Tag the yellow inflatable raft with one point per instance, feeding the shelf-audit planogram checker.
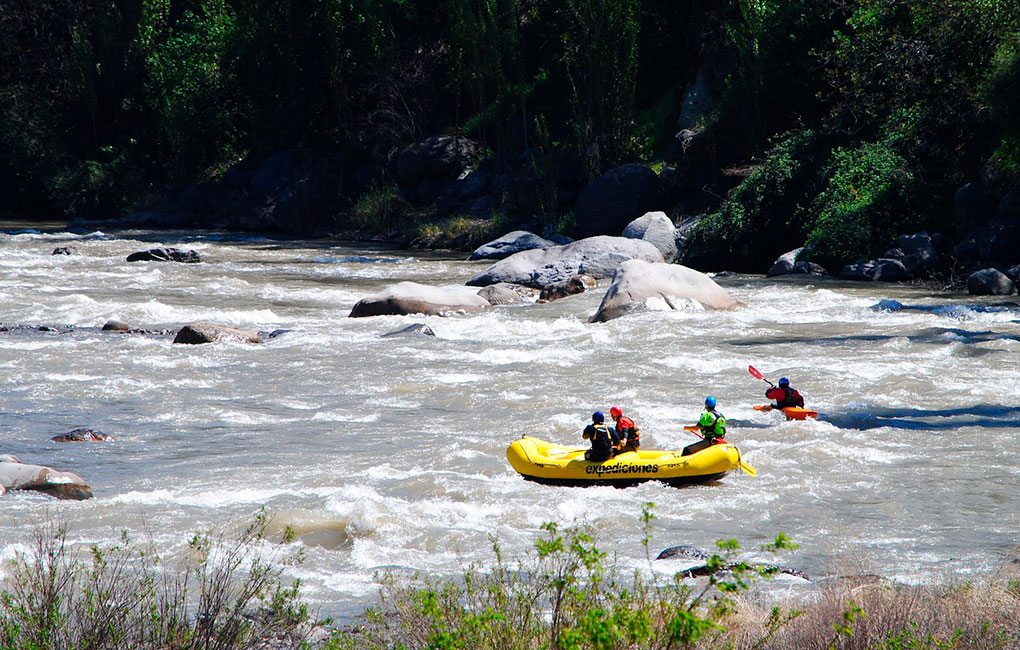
(545, 462)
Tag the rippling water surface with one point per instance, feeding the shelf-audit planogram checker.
(389, 452)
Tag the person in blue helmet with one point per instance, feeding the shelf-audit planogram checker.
(603, 439)
(784, 395)
(711, 424)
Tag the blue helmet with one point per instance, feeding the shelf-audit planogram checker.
(597, 417)
(784, 382)
(710, 402)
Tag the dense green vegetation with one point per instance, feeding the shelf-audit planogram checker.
(856, 119)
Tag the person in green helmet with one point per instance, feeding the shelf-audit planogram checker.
(711, 424)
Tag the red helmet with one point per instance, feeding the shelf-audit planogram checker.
(615, 412)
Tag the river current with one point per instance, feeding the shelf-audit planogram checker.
(389, 453)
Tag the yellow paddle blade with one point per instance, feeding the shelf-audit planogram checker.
(747, 469)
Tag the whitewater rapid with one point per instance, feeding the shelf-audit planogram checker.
(389, 453)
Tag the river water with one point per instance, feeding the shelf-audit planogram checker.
(390, 452)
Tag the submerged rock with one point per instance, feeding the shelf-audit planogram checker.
(638, 282)
(598, 257)
(82, 434)
(417, 329)
(413, 298)
(198, 333)
(66, 250)
(165, 255)
(15, 475)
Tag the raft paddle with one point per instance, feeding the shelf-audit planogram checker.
(744, 467)
(757, 375)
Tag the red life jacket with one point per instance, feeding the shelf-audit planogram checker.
(785, 397)
(628, 430)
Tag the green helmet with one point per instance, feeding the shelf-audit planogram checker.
(706, 420)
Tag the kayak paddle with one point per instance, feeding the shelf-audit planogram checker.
(757, 375)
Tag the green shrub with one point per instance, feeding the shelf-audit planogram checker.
(381, 211)
(762, 218)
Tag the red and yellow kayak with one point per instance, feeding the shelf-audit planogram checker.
(791, 412)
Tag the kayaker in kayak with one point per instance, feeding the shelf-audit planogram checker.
(784, 395)
(603, 439)
(712, 425)
(630, 436)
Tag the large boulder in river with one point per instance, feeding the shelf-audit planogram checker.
(413, 298)
(658, 230)
(569, 287)
(508, 244)
(598, 257)
(165, 255)
(990, 282)
(198, 333)
(637, 283)
(15, 475)
(616, 198)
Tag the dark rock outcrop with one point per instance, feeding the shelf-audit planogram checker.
(82, 434)
(198, 333)
(972, 207)
(439, 159)
(15, 475)
(880, 270)
(676, 286)
(598, 257)
(508, 244)
(413, 298)
(165, 255)
(615, 199)
(569, 287)
(990, 282)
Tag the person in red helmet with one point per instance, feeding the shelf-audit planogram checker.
(630, 435)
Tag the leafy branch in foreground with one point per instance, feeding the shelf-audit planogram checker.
(225, 595)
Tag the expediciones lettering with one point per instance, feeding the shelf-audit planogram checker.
(620, 468)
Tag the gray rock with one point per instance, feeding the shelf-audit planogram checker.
(165, 255)
(917, 254)
(503, 293)
(569, 287)
(510, 243)
(637, 282)
(116, 326)
(417, 329)
(82, 434)
(880, 270)
(784, 264)
(990, 282)
(15, 475)
(658, 230)
(199, 333)
(610, 202)
(414, 298)
(598, 257)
